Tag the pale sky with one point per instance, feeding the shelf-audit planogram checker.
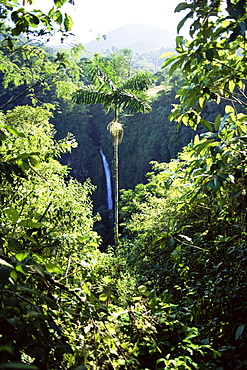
(94, 18)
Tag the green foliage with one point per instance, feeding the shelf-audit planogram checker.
(173, 297)
(63, 303)
(213, 62)
(184, 232)
(112, 90)
(28, 69)
(38, 233)
(34, 21)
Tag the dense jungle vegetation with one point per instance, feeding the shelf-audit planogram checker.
(171, 293)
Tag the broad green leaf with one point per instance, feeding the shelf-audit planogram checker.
(223, 122)
(103, 297)
(231, 85)
(34, 21)
(51, 302)
(202, 101)
(201, 146)
(229, 109)
(21, 268)
(30, 223)
(51, 12)
(215, 184)
(235, 194)
(68, 23)
(217, 122)
(169, 61)
(34, 162)
(14, 245)
(142, 289)
(107, 280)
(173, 166)
(174, 67)
(239, 331)
(38, 268)
(21, 256)
(206, 125)
(25, 289)
(58, 17)
(161, 360)
(13, 131)
(5, 263)
(2, 136)
(167, 54)
(223, 176)
(12, 214)
(7, 349)
(35, 314)
(83, 238)
(13, 276)
(52, 268)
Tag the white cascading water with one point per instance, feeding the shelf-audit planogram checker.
(107, 170)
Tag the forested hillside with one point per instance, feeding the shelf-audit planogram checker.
(143, 133)
(158, 281)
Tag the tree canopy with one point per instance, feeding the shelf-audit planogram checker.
(16, 19)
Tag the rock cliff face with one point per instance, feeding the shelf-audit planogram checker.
(137, 37)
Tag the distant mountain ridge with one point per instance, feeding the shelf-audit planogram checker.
(137, 37)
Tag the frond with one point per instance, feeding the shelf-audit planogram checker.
(90, 95)
(130, 102)
(139, 82)
(100, 77)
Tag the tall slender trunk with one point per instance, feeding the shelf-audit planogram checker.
(116, 130)
(116, 234)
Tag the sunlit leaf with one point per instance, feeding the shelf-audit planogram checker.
(5, 263)
(167, 54)
(142, 289)
(169, 61)
(12, 214)
(14, 131)
(52, 268)
(103, 297)
(21, 256)
(30, 223)
(68, 22)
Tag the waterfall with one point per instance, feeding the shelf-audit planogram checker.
(107, 170)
